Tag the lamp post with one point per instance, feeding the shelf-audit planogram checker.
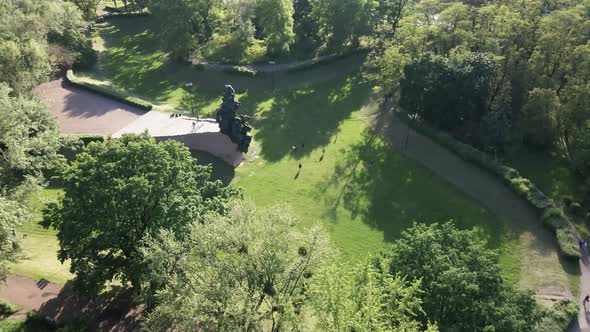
(189, 86)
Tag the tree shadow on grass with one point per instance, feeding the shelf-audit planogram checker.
(389, 192)
(308, 117)
(112, 310)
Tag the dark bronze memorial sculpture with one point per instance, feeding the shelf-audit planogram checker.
(232, 124)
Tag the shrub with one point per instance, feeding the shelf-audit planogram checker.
(77, 325)
(323, 60)
(576, 209)
(242, 71)
(567, 241)
(554, 218)
(199, 67)
(7, 309)
(109, 92)
(558, 317)
(567, 201)
(86, 57)
(37, 322)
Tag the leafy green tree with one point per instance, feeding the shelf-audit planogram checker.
(29, 139)
(364, 298)
(276, 19)
(342, 22)
(304, 25)
(240, 272)
(12, 214)
(119, 192)
(539, 117)
(449, 94)
(186, 24)
(87, 7)
(24, 64)
(30, 31)
(461, 280)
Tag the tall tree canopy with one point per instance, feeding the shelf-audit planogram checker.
(365, 297)
(29, 139)
(451, 94)
(121, 191)
(276, 19)
(241, 272)
(461, 281)
(27, 30)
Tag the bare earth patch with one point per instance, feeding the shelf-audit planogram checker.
(83, 112)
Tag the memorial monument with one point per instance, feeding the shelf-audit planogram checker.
(230, 123)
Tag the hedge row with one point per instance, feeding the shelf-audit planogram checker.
(7, 309)
(551, 215)
(557, 317)
(324, 60)
(242, 71)
(108, 92)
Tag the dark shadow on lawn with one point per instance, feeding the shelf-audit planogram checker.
(113, 310)
(306, 116)
(220, 169)
(390, 193)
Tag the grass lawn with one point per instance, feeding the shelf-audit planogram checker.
(363, 191)
(40, 246)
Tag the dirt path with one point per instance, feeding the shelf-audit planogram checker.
(109, 312)
(78, 111)
(541, 268)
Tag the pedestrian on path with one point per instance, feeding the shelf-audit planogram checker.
(586, 299)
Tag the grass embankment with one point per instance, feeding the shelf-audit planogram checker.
(363, 191)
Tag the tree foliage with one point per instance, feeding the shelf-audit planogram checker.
(365, 297)
(451, 94)
(276, 20)
(461, 281)
(121, 191)
(29, 139)
(28, 29)
(240, 272)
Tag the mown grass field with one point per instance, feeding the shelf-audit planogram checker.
(360, 189)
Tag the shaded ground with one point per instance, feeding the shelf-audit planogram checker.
(111, 311)
(542, 268)
(82, 112)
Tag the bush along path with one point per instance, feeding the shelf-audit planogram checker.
(472, 178)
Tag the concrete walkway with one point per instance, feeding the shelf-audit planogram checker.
(196, 134)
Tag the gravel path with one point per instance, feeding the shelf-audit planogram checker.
(83, 112)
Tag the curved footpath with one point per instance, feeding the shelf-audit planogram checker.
(499, 199)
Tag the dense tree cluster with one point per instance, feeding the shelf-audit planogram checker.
(530, 84)
(36, 36)
(119, 192)
(258, 30)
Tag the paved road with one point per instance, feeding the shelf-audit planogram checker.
(78, 111)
